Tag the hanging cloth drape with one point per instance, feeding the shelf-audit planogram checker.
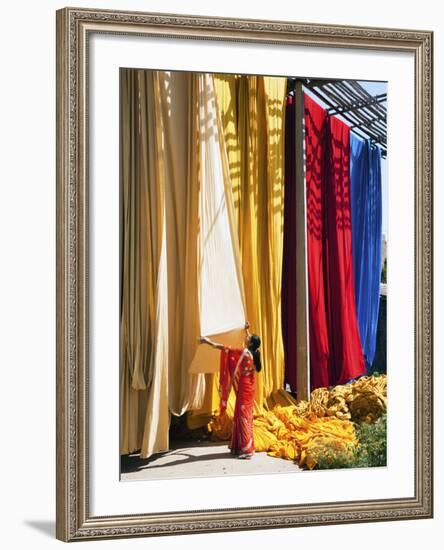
(366, 210)
(143, 352)
(316, 147)
(288, 301)
(221, 291)
(346, 358)
(253, 117)
(160, 278)
(181, 219)
(335, 347)
(180, 130)
(226, 130)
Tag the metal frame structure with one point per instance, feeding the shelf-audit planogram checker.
(364, 113)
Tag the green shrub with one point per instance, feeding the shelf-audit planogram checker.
(370, 452)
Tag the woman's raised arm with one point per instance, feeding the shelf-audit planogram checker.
(206, 340)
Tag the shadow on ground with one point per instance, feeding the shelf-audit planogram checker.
(47, 527)
(202, 458)
(133, 462)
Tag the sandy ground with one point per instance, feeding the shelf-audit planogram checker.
(200, 459)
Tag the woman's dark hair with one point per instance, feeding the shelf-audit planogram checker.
(253, 346)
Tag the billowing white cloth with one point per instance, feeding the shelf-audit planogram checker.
(221, 293)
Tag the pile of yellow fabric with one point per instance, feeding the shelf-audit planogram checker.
(363, 400)
(323, 426)
(283, 433)
(299, 438)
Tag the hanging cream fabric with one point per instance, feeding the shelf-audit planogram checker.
(221, 290)
(179, 114)
(221, 293)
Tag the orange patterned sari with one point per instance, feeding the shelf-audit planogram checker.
(237, 370)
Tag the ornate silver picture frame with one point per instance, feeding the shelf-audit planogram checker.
(74, 520)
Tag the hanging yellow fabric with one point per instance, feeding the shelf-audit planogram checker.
(253, 114)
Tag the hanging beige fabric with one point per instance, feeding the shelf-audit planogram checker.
(160, 313)
(221, 293)
(157, 414)
(179, 100)
(142, 356)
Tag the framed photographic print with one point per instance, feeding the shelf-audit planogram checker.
(244, 274)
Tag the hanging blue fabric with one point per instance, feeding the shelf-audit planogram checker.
(366, 212)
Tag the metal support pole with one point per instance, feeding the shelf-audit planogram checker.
(302, 327)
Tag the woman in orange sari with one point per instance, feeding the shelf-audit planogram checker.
(237, 368)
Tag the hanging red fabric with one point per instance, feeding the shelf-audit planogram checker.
(316, 147)
(335, 346)
(346, 357)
